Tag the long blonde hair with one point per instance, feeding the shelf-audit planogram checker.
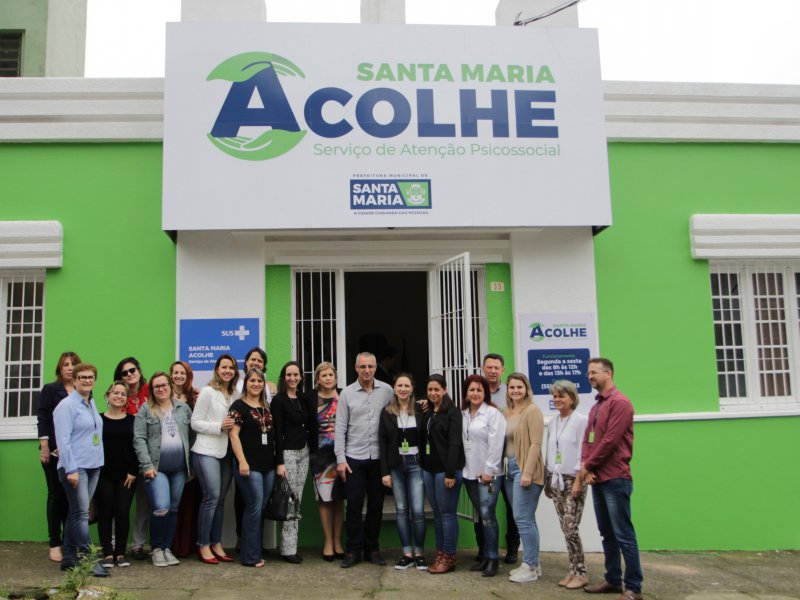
(528, 399)
(393, 408)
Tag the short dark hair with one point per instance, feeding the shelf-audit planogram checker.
(494, 356)
(135, 363)
(260, 352)
(607, 364)
(487, 391)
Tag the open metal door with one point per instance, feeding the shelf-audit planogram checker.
(451, 337)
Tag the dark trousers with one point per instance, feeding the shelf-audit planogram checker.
(364, 481)
(512, 533)
(56, 503)
(112, 501)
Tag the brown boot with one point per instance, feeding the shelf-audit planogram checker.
(445, 565)
(436, 560)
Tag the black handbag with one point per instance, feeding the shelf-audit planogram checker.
(283, 504)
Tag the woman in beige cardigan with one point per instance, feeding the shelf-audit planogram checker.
(525, 471)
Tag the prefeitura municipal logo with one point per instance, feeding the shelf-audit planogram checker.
(256, 101)
(392, 194)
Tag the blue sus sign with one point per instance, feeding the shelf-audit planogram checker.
(202, 341)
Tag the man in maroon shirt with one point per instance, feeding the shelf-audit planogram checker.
(607, 452)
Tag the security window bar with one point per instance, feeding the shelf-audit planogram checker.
(315, 320)
(757, 334)
(10, 54)
(21, 322)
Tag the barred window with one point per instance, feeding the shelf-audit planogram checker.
(21, 324)
(757, 334)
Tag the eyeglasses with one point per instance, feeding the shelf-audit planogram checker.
(130, 371)
(85, 378)
(160, 386)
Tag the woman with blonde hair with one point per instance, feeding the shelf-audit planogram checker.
(563, 462)
(401, 470)
(211, 458)
(525, 470)
(328, 486)
(161, 441)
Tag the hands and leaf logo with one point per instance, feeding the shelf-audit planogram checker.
(256, 100)
(537, 335)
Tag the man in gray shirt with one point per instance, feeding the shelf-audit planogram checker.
(357, 457)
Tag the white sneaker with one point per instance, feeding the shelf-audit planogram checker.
(158, 557)
(524, 567)
(170, 558)
(524, 574)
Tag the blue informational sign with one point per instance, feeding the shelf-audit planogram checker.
(547, 366)
(202, 341)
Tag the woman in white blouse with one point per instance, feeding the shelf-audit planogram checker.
(484, 430)
(211, 459)
(563, 461)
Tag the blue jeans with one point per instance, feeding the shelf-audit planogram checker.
(256, 490)
(484, 500)
(525, 500)
(444, 503)
(409, 492)
(76, 530)
(214, 476)
(612, 508)
(164, 493)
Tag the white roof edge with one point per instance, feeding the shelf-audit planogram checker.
(37, 109)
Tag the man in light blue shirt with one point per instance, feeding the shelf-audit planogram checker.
(357, 457)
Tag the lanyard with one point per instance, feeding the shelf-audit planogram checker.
(558, 435)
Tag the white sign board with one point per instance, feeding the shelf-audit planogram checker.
(297, 126)
(557, 346)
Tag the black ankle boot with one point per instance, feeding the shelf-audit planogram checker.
(480, 565)
(491, 568)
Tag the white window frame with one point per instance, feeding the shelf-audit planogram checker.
(26, 247)
(753, 399)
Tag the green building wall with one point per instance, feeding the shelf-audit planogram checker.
(699, 484)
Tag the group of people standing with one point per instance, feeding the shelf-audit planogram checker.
(154, 436)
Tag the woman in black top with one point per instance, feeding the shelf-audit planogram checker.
(401, 471)
(51, 395)
(253, 443)
(295, 423)
(114, 493)
(442, 462)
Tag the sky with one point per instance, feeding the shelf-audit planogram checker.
(720, 41)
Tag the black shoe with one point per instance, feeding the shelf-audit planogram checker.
(479, 566)
(350, 559)
(328, 557)
(99, 570)
(294, 559)
(404, 563)
(479, 557)
(511, 557)
(491, 568)
(375, 558)
(338, 555)
(140, 554)
(67, 565)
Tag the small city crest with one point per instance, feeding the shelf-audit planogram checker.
(390, 194)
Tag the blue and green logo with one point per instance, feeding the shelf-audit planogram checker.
(391, 194)
(256, 100)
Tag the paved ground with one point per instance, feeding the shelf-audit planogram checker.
(690, 576)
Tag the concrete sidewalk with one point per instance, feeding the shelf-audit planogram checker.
(691, 576)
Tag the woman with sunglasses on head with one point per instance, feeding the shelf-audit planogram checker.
(253, 441)
(51, 395)
(130, 371)
(565, 433)
(401, 471)
(484, 430)
(161, 440)
(295, 423)
(211, 457)
(328, 486)
(525, 471)
(79, 430)
(442, 462)
(114, 494)
(185, 542)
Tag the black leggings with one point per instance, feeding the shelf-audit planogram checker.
(56, 503)
(112, 502)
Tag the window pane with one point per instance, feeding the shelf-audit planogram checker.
(772, 350)
(728, 335)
